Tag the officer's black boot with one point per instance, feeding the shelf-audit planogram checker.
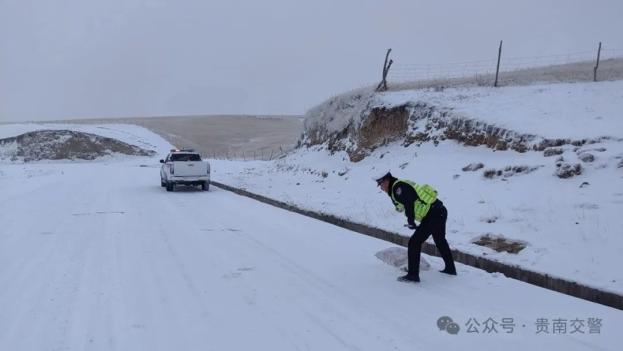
(409, 278)
(451, 271)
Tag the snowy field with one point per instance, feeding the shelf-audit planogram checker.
(572, 227)
(97, 256)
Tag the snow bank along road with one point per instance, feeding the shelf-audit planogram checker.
(97, 256)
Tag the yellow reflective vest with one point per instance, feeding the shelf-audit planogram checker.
(426, 196)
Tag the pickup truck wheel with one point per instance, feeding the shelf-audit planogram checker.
(170, 186)
(205, 186)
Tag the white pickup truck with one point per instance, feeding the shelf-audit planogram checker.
(184, 167)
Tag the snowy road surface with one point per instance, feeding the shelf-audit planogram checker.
(96, 256)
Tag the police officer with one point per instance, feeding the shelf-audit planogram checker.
(419, 203)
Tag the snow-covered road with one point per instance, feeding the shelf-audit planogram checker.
(96, 256)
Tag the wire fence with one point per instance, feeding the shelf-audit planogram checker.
(249, 155)
(412, 72)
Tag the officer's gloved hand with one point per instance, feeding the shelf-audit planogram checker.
(400, 209)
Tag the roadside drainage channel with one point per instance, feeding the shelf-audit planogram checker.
(546, 281)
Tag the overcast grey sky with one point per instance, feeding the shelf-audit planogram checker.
(108, 58)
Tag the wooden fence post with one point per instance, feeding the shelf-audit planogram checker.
(497, 70)
(597, 63)
(386, 65)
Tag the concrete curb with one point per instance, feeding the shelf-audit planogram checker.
(546, 281)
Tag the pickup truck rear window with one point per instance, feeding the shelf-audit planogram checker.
(185, 157)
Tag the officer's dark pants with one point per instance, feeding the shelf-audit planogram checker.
(433, 224)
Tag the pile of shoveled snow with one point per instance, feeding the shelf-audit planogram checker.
(64, 145)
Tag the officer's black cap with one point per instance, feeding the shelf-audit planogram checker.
(387, 175)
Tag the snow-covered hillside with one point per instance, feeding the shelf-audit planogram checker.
(568, 110)
(129, 134)
(523, 186)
